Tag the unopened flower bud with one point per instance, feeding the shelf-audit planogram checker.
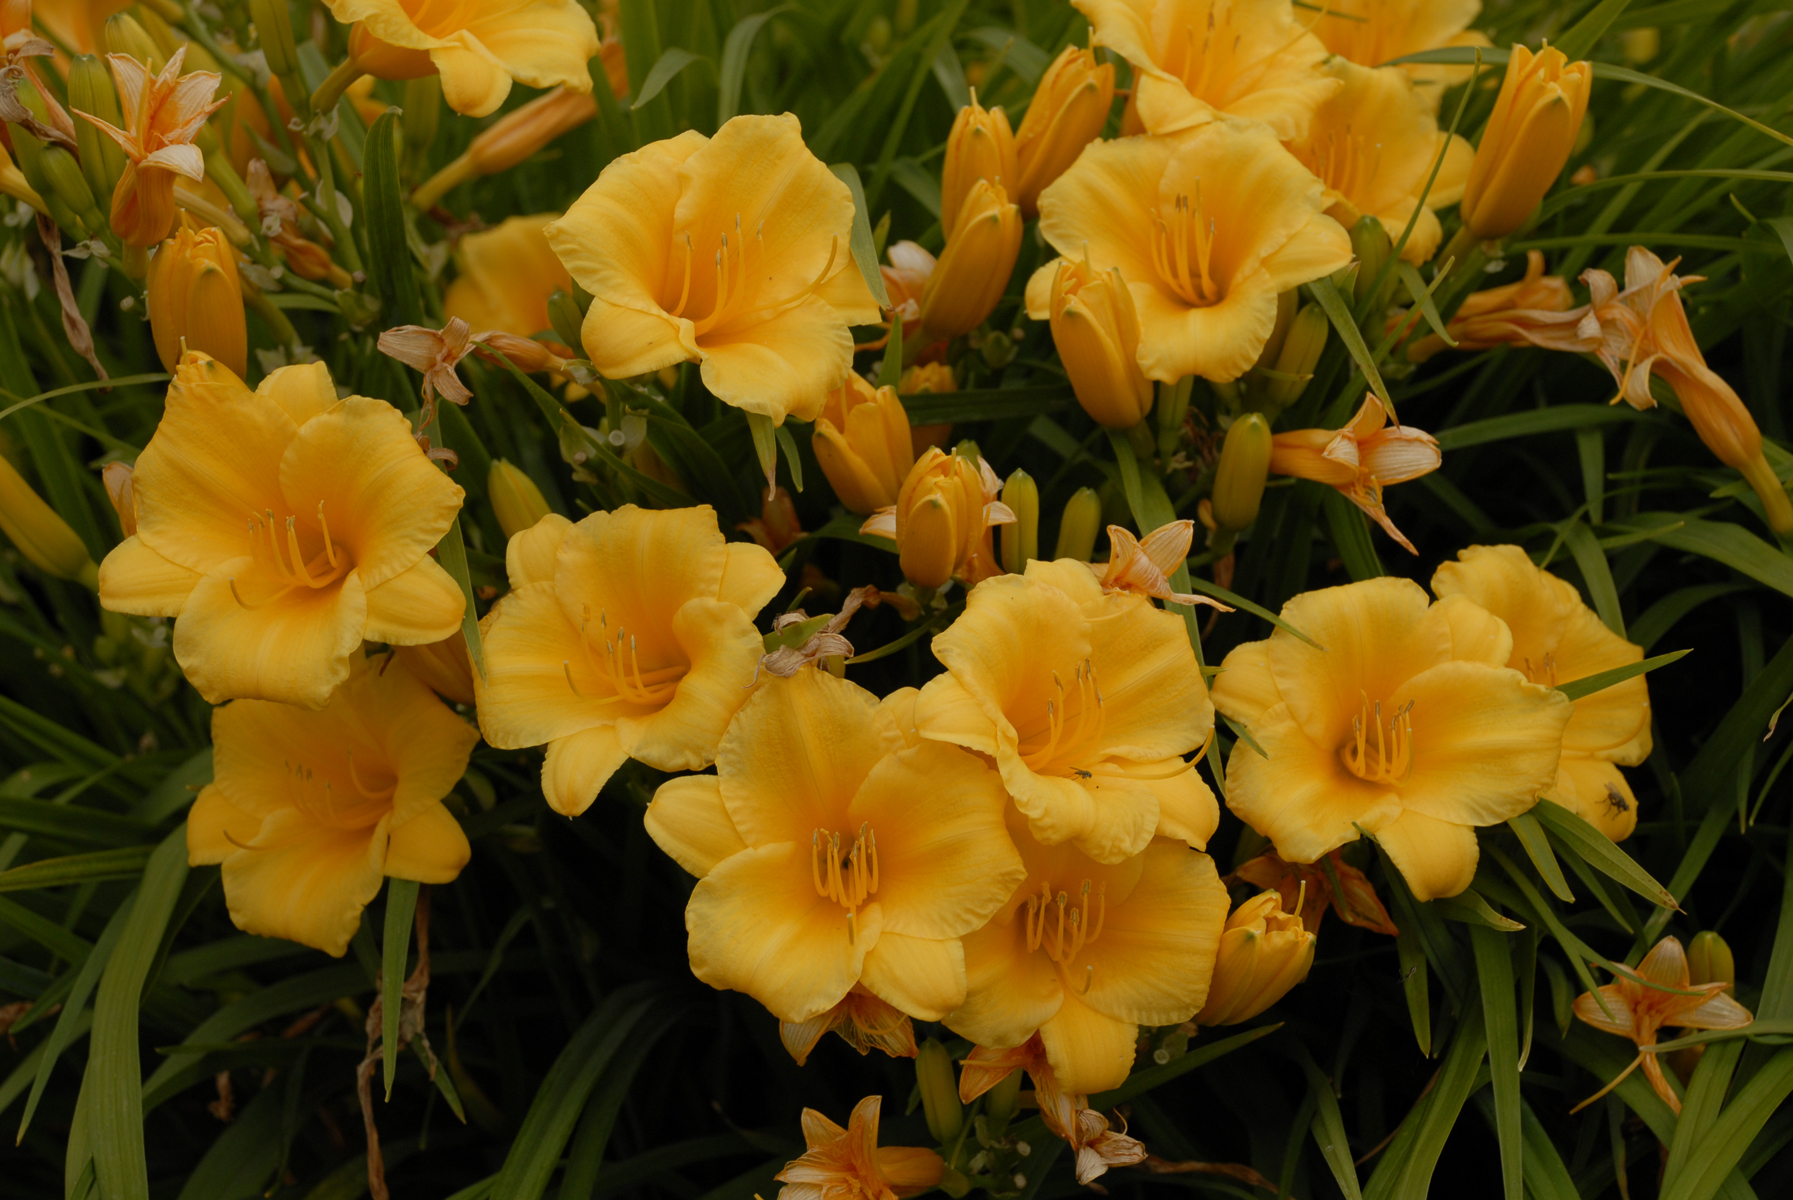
(1096, 329)
(125, 36)
(1529, 137)
(980, 146)
(1069, 107)
(941, 520)
(63, 173)
(862, 443)
(1709, 960)
(1079, 525)
(90, 91)
(1240, 475)
(526, 354)
(42, 537)
(1003, 1101)
(509, 140)
(196, 299)
(973, 270)
(566, 317)
(423, 112)
(1371, 244)
(516, 501)
(1263, 953)
(274, 33)
(939, 1092)
(1295, 362)
(1021, 540)
(122, 491)
(443, 666)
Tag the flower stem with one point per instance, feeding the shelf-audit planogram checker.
(338, 82)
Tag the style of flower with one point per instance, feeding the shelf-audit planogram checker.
(162, 114)
(1359, 460)
(310, 811)
(849, 1162)
(477, 49)
(1558, 639)
(1372, 32)
(1083, 953)
(832, 852)
(766, 309)
(1408, 725)
(1374, 144)
(1195, 59)
(1207, 228)
(863, 1021)
(1500, 316)
(281, 528)
(628, 635)
(1658, 992)
(1086, 702)
(505, 276)
(1314, 887)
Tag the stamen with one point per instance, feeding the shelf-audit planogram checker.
(329, 547)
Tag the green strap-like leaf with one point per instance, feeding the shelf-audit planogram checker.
(1537, 848)
(1598, 851)
(668, 65)
(389, 256)
(734, 61)
(1494, 968)
(395, 948)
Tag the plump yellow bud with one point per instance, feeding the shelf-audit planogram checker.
(1528, 139)
(1079, 525)
(196, 299)
(862, 443)
(1709, 960)
(1096, 330)
(44, 538)
(1295, 362)
(90, 91)
(980, 146)
(1068, 110)
(125, 36)
(931, 377)
(516, 501)
(939, 1092)
(509, 140)
(940, 528)
(974, 269)
(1240, 475)
(1021, 540)
(1263, 953)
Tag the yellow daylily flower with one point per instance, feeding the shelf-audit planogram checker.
(1558, 639)
(1085, 952)
(478, 49)
(1373, 143)
(1206, 228)
(506, 275)
(831, 852)
(281, 528)
(628, 635)
(980, 146)
(1194, 59)
(310, 811)
(1408, 725)
(730, 251)
(1359, 460)
(1086, 701)
(849, 1162)
(1373, 32)
(1096, 331)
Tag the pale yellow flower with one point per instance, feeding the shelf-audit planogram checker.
(1359, 460)
(1528, 139)
(162, 114)
(849, 1162)
(310, 811)
(942, 518)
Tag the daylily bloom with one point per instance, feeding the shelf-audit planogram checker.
(477, 49)
(196, 300)
(1373, 143)
(1084, 953)
(310, 812)
(1642, 331)
(731, 251)
(942, 518)
(1206, 229)
(1658, 992)
(1528, 138)
(1408, 725)
(849, 1162)
(862, 443)
(863, 1021)
(281, 528)
(1086, 701)
(980, 146)
(1558, 639)
(1096, 330)
(830, 853)
(1499, 316)
(1194, 59)
(1373, 32)
(1312, 888)
(163, 114)
(628, 635)
(505, 276)
(1359, 460)
(1264, 952)
(1069, 107)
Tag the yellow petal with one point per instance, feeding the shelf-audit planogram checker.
(1597, 792)
(673, 555)
(302, 391)
(430, 847)
(1301, 797)
(420, 604)
(1718, 1012)
(1219, 342)
(135, 579)
(1105, 819)
(426, 744)
(757, 925)
(1615, 1016)
(1245, 687)
(1089, 1051)
(254, 744)
(578, 766)
(1615, 721)
(1319, 247)
(1485, 742)
(384, 499)
(1477, 635)
(540, 42)
(1154, 704)
(923, 977)
(1187, 809)
(531, 648)
(1156, 951)
(750, 578)
(1014, 635)
(1505, 581)
(304, 881)
(1436, 858)
(622, 341)
(1107, 202)
(688, 821)
(530, 555)
(293, 648)
(724, 650)
(782, 367)
(1010, 991)
(474, 82)
(216, 828)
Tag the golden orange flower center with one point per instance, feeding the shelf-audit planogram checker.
(291, 554)
(1208, 60)
(1544, 672)
(1347, 161)
(740, 268)
(367, 798)
(617, 662)
(1183, 251)
(1062, 928)
(1380, 751)
(1065, 736)
(845, 873)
